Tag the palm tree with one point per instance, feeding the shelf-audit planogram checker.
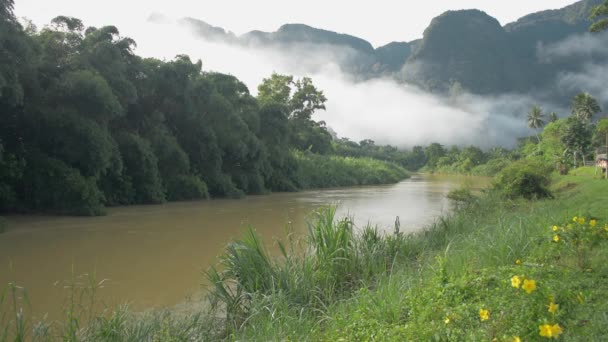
(553, 117)
(596, 12)
(536, 120)
(584, 106)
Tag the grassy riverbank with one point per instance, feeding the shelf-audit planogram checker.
(324, 171)
(466, 277)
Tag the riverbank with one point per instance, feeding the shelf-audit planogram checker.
(461, 279)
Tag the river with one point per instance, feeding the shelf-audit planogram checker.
(154, 256)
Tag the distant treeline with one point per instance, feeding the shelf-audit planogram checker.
(85, 123)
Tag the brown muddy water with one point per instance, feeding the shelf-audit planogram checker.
(154, 256)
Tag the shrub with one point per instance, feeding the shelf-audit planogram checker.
(51, 184)
(183, 187)
(524, 178)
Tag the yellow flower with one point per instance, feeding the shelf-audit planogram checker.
(516, 339)
(447, 320)
(484, 315)
(518, 262)
(592, 223)
(575, 218)
(529, 285)
(581, 220)
(550, 331)
(606, 227)
(553, 307)
(556, 330)
(555, 228)
(515, 282)
(556, 238)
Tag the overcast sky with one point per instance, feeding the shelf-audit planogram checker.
(378, 21)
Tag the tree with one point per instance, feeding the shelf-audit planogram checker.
(433, 153)
(6, 10)
(553, 117)
(301, 99)
(600, 11)
(577, 137)
(584, 106)
(536, 120)
(306, 99)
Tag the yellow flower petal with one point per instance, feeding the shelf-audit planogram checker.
(553, 307)
(529, 285)
(484, 314)
(515, 282)
(592, 223)
(556, 238)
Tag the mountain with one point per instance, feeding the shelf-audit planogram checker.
(468, 47)
(211, 33)
(472, 48)
(300, 33)
(392, 56)
(354, 55)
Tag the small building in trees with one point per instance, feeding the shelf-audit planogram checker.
(601, 162)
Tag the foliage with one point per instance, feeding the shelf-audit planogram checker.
(584, 106)
(536, 118)
(529, 179)
(128, 130)
(599, 12)
(318, 171)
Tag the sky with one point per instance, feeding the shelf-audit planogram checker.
(379, 21)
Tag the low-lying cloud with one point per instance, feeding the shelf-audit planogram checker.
(379, 109)
(589, 52)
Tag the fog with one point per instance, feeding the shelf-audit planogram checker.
(377, 109)
(592, 50)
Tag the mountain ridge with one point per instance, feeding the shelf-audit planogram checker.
(466, 46)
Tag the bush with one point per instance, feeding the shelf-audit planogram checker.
(526, 178)
(320, 171)
(53, 185)
(184, 187)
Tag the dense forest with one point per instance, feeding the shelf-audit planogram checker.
(86, 123)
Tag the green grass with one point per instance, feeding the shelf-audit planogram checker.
(339, 285)
(323, 171)
(464, 263)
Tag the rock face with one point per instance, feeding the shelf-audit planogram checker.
(472, 48)
(466, 46)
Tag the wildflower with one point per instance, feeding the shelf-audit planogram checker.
(556, 238)
(447, 320)
(515, 281)
(550, 331)
(529, 285)
(555, 228)
(518, 262)
(581, 220)
(553, 307)
(484, 315)
(606, 227)
(516, 339)
(575, 219)
(592, 223)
